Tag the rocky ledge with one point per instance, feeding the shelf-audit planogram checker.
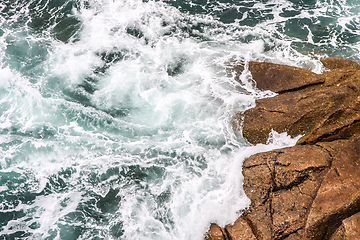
(311, 190)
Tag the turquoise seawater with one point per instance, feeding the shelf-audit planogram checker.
(116, 115)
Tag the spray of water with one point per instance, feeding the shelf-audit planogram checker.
(116, 116)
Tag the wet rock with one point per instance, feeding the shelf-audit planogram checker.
(216, 233)
(280, 78)
(311, 190)
(281, 185)
(320, 113)
(295, 177)
(240, 230)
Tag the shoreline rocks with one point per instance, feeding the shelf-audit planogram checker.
(311, 190)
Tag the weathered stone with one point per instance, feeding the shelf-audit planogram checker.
(280, 78)
(299, 235)
(349, 229)
(306, 191)
(258, 180)
(339, 195)
(216, 233)
(321, 112)
(260, 219)
(343, 122)
(281, 185)
(339, 234)
(240, 230)
(352, 227)
(338, 70)
(301, 113)
(295, 164)
(339, 63)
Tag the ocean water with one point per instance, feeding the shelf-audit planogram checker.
(116, 115)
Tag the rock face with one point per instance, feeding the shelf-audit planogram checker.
(281, 78)
(311, 190)
(317, 111)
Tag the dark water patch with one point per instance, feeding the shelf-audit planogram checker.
(66, 29)
(111, 202)
(143, 174)
(176, 67)
(118, 112)
(89, 85)
(55, 16)
(41, 132)
(8, 216)
(134, 31)
(78, 95)
(16, 235)
(56, 184)
(296, 28)
(289, 13)
(69, 230)
(116, 229)
(112, 57)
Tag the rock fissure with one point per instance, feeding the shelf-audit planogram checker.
(353, 88)
(302, 87)
(343, 77)
(253, 228)
(271, 210)
(334, 133)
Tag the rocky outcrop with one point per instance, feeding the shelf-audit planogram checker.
(281, 78)
(311, 190)
(317, 111)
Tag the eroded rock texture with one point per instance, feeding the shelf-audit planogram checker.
(317, 111)
(311, 190)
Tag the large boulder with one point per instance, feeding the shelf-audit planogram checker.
(281, 78)
(285, 190)
(311, 190)
(320, 112)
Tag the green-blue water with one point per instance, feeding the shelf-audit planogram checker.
(115, 115)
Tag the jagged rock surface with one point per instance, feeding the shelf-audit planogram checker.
(311, 190)
(318, 111)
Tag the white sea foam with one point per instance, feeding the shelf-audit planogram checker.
(127, 126)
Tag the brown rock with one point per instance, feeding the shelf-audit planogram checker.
(321, 112)
(339, 195)
(352, 227)
(349, 229)
(306, 191)
(297, 163)
(216, 233)
(258, 186)
(281, 185)
(240, 230)
(280, 78)
(315, 113)
(339, 63)
(339, 234)
(260, 219)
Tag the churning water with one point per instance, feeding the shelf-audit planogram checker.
(116, 115)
